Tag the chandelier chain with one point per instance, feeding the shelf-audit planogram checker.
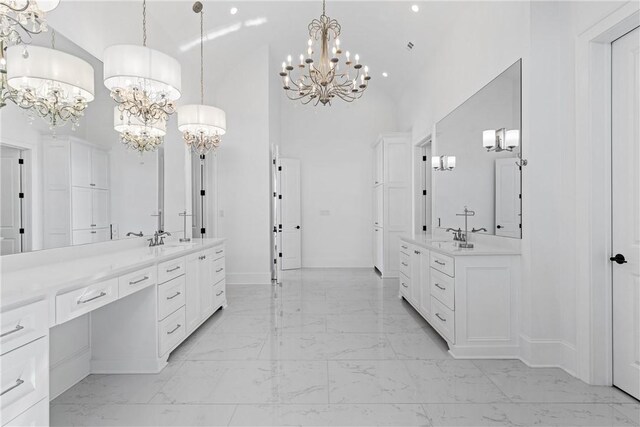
(144, 23)
(53, 38)
(201, 57)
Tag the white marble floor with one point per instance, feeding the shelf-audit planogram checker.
(334, 347)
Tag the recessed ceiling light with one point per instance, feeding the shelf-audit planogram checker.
(385, 74)
(415, 8)
(233, 10)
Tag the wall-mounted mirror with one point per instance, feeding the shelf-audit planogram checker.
(477, 153)
(66, 187)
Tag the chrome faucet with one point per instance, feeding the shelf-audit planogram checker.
(158, 238)
(466, 214)
(457, 235)
(131, 233)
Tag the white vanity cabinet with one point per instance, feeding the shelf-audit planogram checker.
(469, 296)
(205, 291)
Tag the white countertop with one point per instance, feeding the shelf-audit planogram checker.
(47, 280)
(448, 247)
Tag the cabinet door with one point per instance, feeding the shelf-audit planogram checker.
(99, 169)
(101, 235)
(100, 208)
(425, 284)
(378, 248)
(80, 165)
(82, 237)
(206, 284)
(192, 291)
(379, 206)
(415, 275)
(82, 217)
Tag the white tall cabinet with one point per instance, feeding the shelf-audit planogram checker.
(391, 199)
(76, 192)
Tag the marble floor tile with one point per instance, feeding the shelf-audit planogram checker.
(246, 324)
(371, 381)
(224, 382)
(525, 414)
(228, 347)
(141, 415)
(420, 345)
(452, 381)
(329, 415)
(372, 323)
(524, 384)
(629, 410)
(327, 347)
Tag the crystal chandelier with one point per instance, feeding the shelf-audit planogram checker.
(321, 81)
(23, 17)
(136, 135)
(201, 125)
(144, 83)
(47, 83)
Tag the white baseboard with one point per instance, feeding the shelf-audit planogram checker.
(66, 373)
(248, 278)
(485, 352)
(151, 366)
(548, 354)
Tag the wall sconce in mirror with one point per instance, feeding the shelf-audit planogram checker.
(443, 163)
(501, 139)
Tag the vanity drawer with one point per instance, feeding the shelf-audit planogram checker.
(404, 248)
(170, 296)
(23, 325)
(83, 300)
(443, 263)
(171, 331)
(442, 287)
(219, 296)
(405, 286)
(218, 252)
(36, 416)
(405, 264)
(25, 378)
(443, 319)
(133, 282)
(170, 269)
(218, 270)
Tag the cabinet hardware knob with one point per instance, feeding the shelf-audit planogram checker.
(94, 232)
(135, 282)
(102, 294)
(297, 227)
(174, 329)
(173, 296)
(13, 331)
(93, 225)
(619, 258)
(18, 383)
(440, 317)
(498, 226)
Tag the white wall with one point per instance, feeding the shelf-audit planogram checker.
(243, 169)
(334, 148)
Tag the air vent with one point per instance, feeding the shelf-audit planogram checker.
(410, 46)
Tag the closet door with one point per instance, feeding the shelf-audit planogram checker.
(80, 165)
(99, 169)
(82, 210)
(100, 208)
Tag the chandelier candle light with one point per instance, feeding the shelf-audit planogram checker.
(144, 83)
(321, 81)
(23, 17)
(201, 125)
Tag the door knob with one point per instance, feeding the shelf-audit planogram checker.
(619, 258)
(297, 227)
(498, 226)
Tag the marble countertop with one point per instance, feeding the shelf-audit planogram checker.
(448, 247)
(47, 280)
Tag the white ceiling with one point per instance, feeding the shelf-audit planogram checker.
(378, 30)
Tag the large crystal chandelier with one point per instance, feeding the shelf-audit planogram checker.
(19, 18)
(201, 125)
(145, 83)
(321, 81)
(47, 83)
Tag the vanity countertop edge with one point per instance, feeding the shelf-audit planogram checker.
(447, 247)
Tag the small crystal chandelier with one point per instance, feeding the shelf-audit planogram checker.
(144, 83)
(323, 81)
(47, 83)
(23, 17)
(202, 126)
(136, 135)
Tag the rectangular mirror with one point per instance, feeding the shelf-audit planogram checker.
(62, 187)
(477, 156)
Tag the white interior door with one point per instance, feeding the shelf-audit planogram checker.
(290, 204)
(625, 187)
(507, 198)
(10, 208)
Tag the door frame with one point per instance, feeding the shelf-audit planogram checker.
(422, 170)
(594, 296)
(27, 171)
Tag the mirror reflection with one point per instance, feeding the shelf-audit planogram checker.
(476, 160)
(62, 186)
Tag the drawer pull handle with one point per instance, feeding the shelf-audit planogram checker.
(139, 281)
(440, 287)
(171, 270)
(440, 317)
(404, 285)
(13, 331)
(174, 329)
(220, 251)
(405, 264)
(219, 293)
(93, 225)
(202, 257)
(219, 270)
(102, 294)
(18, 383)
(404, 247)
(439, 262)
(173, 296)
